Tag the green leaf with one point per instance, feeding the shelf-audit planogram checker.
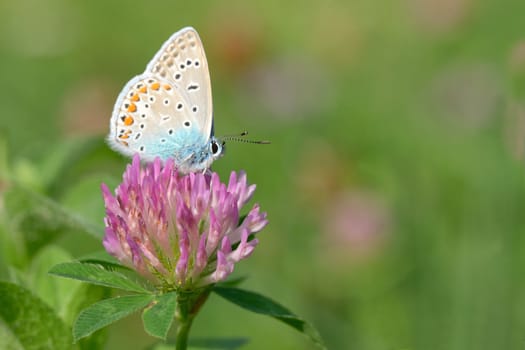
(12, 251)
(96, 274)
(104, 259)
(60, 158)
(83, 195)
(17, 276)
(67, 297)
(100, 255)
(262, 305)
(84, 296)
(232, 282)
(56, 292)
(32, 324)
(108, 311)
(159, 316)
(85, 157)
(40, 219)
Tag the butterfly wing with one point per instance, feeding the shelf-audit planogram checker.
(166, 111)
(182, 61)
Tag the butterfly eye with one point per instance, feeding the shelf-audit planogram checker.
(214, 148)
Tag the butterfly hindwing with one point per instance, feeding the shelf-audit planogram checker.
(149, 117)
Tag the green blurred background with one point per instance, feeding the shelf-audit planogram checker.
(394, 183)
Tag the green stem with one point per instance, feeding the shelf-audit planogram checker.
(183, 332)
(188, 305)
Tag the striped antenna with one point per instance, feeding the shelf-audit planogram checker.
(239, 138)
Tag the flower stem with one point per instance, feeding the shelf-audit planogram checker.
(188, 305)
(185, 320)
(183, 331)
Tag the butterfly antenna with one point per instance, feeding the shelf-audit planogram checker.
(239, 138)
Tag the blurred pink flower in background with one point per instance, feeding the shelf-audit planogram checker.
(355, 227)
(514, 130)
(440, 16)
(321, 174)
(517, 58)
(234, 46)
(354, 222)
(180, 231)
(466, 95)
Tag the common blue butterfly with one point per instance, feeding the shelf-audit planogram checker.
(167, 111)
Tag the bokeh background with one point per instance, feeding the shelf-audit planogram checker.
(394, 183)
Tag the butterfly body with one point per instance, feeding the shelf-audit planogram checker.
(167, 112)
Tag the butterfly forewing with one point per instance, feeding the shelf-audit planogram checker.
(181, 61)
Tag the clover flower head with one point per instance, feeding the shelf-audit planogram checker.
(180, 231)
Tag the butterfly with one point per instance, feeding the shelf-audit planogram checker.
(166, 111)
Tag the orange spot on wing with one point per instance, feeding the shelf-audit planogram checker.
(135, 98)
(167, 87)
(155, 86)
(132, 108)
(125, 135)
(128, 120)
(143, 90)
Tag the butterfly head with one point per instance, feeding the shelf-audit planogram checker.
(217, 148)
